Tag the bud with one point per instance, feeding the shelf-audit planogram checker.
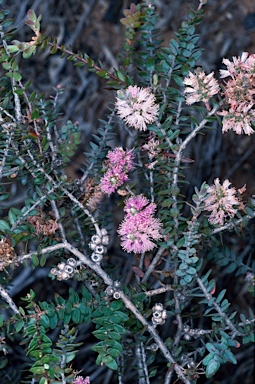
(61, 266)
(72, 262)
(96, 257)
(158, 307)
(68, 269)
(96, 239)
(116, 295)
(99, 249)
(104, 232)
(109, 291)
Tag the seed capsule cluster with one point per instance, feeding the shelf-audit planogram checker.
(98, 245)
(65, 270)
(159, 314)
(113, 290)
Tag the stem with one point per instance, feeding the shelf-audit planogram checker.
(85, 61)
(153, 265)
(9, 300)
(222, 314)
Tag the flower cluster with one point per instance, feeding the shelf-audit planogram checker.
(250, 277)
(153, 150)
(200, 87)
(139, 227)
(93, 195)
(222, 202)
(7, 252)
(137, 107)
(65, 270)
(159, 315)
(81, 380)
(98, 245)
(43, 226)
(118, 165)
(239, 93)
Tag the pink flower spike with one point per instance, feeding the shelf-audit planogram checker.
(135, 204)
(139, 228)
(119, 163)
(81, 380)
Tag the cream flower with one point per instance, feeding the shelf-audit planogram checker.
(222, 202)
(200, 87)
(239, 122)
(239, 93)
(137, 107)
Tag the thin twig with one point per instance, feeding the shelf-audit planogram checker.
(9, 300)
(222, 314)
(153, 264)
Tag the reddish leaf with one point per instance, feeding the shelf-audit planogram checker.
(138, 271)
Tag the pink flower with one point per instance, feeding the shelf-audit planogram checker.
(239, 93)
(120, 157)
(239, 122)
(81, 380)
(139, 204)
(222, 202)
(137, 107)
(201, 87)
(245, 63)
(119, 163)
(139, 228)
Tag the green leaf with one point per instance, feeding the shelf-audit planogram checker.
(113, 352)
(35, 260)
(114, 336)
(76, 315)
(53, 321)
(211, 348)
(228, 355)
(208, 358)
(70, 356)
(43, 260)
(3, 363)
(103, 74)
(31, 15)
(100, 334)
(37, 370)
(118, 317)
(4, 226)
(35, 114)
(150, 63)
(116, 305)
(36, 353)
(178, 80)
(212, 368)
(16, 76)
(110, 363)
(43, 381)
(67, 318)
(19, 325)
(48, 358)
(44, 321)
